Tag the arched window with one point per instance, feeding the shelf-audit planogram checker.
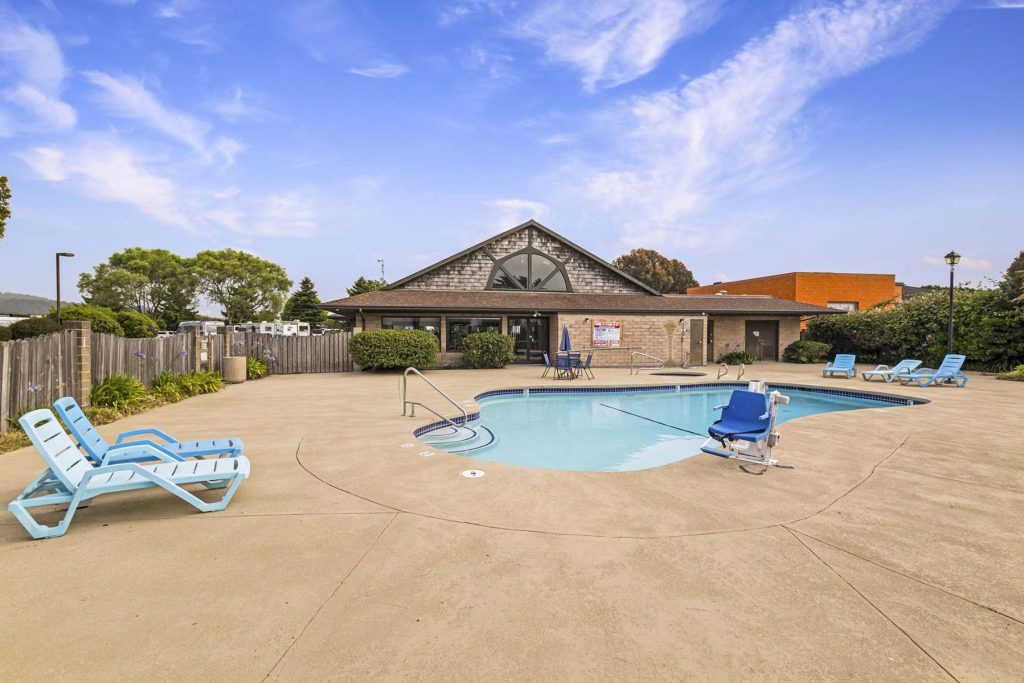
(529, 270)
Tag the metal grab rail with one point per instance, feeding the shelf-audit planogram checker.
(633, 355)
(723, 370)
(406, 402)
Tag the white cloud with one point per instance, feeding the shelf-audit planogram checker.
(380, 70)
(128, 98)
(1004, 4)
(460, 11)
(511, 212)
(966, 262)
(285, 214)
(174, 9)
(737, 128)
(612, 42)
(229, 148)
(38, 71)
(236, 106)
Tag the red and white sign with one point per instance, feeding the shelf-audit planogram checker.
(607, 335)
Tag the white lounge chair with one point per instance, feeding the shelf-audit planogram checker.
(904, 367)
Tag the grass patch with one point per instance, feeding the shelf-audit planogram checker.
(1015, 375)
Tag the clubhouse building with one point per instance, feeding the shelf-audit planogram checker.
(529, 281)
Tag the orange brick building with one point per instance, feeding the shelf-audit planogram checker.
(841, 291)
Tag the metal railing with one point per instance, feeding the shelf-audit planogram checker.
(723, 370)
(632, 357)
(406, 403)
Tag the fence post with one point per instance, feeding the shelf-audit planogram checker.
(81, 364)
(197, 352)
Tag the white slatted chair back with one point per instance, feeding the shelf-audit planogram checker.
(58, 450)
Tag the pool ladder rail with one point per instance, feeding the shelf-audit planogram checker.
(723, 370)
(636, 370)
(409, 408)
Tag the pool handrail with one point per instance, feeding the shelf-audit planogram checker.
(632, 357)
(406, 402)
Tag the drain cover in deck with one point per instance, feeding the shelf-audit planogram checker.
(473, 474)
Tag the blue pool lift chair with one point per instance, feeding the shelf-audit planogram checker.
(888, 374)
(72, 479)
(949, 372)
(97, 448)
(746, 429)
(843, 364)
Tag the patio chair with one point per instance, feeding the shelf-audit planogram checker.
(547, 365)
(97, 448)
(948, 372)
(843, 364)
(71, 479)
(888, 374)
(563, 367)
(746, 429)
(585, 366)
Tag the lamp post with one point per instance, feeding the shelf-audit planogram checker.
(952, 258)
(67, 254)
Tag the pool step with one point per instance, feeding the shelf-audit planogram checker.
(465, 441)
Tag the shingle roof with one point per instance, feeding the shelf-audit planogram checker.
(449, 300)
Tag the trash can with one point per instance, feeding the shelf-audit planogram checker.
(234, 369)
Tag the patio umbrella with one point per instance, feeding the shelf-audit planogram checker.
(565, 344)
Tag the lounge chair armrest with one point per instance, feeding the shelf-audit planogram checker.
(148, 430)
(134, 451)
(118, 451)
(108, 469)
(880, 368)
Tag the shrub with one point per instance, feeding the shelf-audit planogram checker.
(33, 327)
(255, 368)
(488, 350)
(804, 351)
(121, 392)
(103, 319)
(136, 324)
(5, 333)
(101, 416)
(1015, 375)
(204, 382)
(737, 358)
(391, 349)
(165, 387)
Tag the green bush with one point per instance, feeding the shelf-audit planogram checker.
(988, 329)
(488, 350)
(136, 324)
(121, 392)
(103, 319)
(804, 351)
(737, 358)
(1015, 375)
(165, 387)
(391, 349)
(255, 368)
(33, 327)
(5, 333)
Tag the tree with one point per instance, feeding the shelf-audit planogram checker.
(1012, 283)
(364, 285)
(668, 276)
(302, 305)
(136, 324)
(243, 285)
(5, 205)
(153, 282)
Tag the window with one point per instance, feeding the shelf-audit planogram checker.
(458, 328)
(431, 325)
(529, 269)
(843, 305)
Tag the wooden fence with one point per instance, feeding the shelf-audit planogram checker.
(291, 355)
(144, 359)
(34, 373)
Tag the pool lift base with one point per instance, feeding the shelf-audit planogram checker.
(755, 452)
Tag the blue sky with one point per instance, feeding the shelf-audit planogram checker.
(744, 138)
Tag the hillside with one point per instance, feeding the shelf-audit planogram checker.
(12, 303)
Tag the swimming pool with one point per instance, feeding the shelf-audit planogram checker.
(615, 429)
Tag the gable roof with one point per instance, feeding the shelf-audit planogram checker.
(528, 224)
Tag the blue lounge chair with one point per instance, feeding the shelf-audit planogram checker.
(888, 374)
(948, 372)
(746, 429)
(71, 479)
(97, 448)
(843, 364)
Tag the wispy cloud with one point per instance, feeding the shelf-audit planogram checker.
(1003, 4)
(37, 74)
(737, 128)
(612, 42)
(286, 214)
(128, 97)
(236, 106)
(510, 211)
(174, 9)
(380, 70)
(456, 12)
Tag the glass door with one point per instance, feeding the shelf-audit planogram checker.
(531, 337)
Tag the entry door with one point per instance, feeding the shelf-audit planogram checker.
(696, 342)
(531, 338)
(762, 339)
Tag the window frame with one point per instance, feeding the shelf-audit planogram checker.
(499, 267)
(417, 325)
(449, 347)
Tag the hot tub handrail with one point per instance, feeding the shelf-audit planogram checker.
(406, 402)
(632, 356)
(723, 370)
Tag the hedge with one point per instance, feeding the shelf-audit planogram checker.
(805, 351)
(391, 349)
(136, 325)
(33, 327)
(5, 333)
(988, 329)
(488, 350)
(737, 358)
(103, 319)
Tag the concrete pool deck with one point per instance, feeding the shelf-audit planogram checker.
(893, 551)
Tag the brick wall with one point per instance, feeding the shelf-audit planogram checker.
(781, 286)
(662, 336)
(865, 289)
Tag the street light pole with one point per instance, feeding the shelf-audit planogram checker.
(57, 259)
(952, 258)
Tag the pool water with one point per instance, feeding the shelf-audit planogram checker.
(612, 431)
